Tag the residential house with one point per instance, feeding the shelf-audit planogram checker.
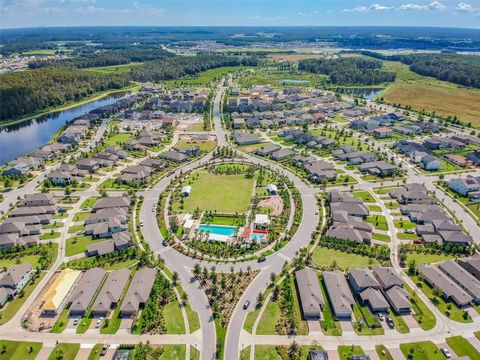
(311, 296)
(111, 292)
(339, 293)
(84, 291)
(139, 292)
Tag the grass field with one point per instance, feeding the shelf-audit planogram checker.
(235, 194)
(19, 350)
(346, 352)
(365, 196)
(79, 243)
(64, 351)
(173, 318)
(324, 257)
(427, 93)
(425, 350)
(378, 221)
(31, 259)
(115, 69)
(427, 258)
(118, 139)
(461, 347)
(266, 325)
(275, 77)
(205, 146)
(39, 52)
(206, 77)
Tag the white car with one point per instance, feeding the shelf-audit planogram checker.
(446, 352)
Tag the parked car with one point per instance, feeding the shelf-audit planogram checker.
(381, 316)
(165, 243)
(446, 352)
(261, 259)
(104, 349)
(390, 322)
(246, 305)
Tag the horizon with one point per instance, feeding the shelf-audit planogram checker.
(166, 13)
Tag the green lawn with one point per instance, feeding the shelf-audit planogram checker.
(81, 216)
(266, 352)
(79, 243)
(61, 322)
(31, 259)
(378, 221)
(193, 320)
(64, 351)
(173, 352)
(75, 228)
(422, 258)
(381, 237)
(172, 314)
(194, 353)
(383, 352)
(235, 194)
(365, 196)
(115, 69)
(95, 352)
(121, 264)
(404, 236)
(266, 325)
(346, 352)
(323, 257)
(375, 208)
(399, 322)
(50, 235)
(16, 350)
(422, 313)
(245, 353)
(448, 308)
(404, 224)
(250, 320)
(205, 146)
(88, 203)
(461, 347)
(425, 350)
(329, 325)
(12, 307)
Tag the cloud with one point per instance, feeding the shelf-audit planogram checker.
(434, 6)
(308, 13)
(89, 9)
(464, 7)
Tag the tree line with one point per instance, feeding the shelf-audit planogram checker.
(26, 92)
(107, 58)
(455, 68)
(349, 71)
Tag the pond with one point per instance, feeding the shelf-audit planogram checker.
(366, 93)
(292, 81)
(24, 138)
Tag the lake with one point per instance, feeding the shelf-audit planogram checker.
(22, 139)
(290, 81)
(366, 93)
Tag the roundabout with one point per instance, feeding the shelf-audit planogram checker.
(229, 211)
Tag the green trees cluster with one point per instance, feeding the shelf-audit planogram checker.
(458, 69)
(26, 92)
(162, 294)
(107, 58)
(179, 66)
(349, 71)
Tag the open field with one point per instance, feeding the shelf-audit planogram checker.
(234, 197)
(206, 77)
(115, 69)
(422, 351)
(324, 257)
(425, 93)
(19, 350)
(273, 76)
(294, 57)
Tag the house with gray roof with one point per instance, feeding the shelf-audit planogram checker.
(462, 278)
(267, 149)
(16, 277)
(282, 154)
(111, 291)
(472, 265)
(311, 295)
(139, 291)
(119, 202)
(391, 285)
(84, 291)
(339, 293)
(451, 291)
(174, 156)
(364, 283)
(243, 138)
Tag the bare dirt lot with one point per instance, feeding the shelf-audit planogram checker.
(275, 203)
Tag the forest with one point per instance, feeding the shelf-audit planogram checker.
(349, 71)
(107, 58)
(455, 68)
(179, 66)
(26, 92)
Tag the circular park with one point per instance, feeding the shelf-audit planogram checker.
(230, 211)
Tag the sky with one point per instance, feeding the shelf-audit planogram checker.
(439, 13)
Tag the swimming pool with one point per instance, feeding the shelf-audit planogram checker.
(218, 229)
(257, 236)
